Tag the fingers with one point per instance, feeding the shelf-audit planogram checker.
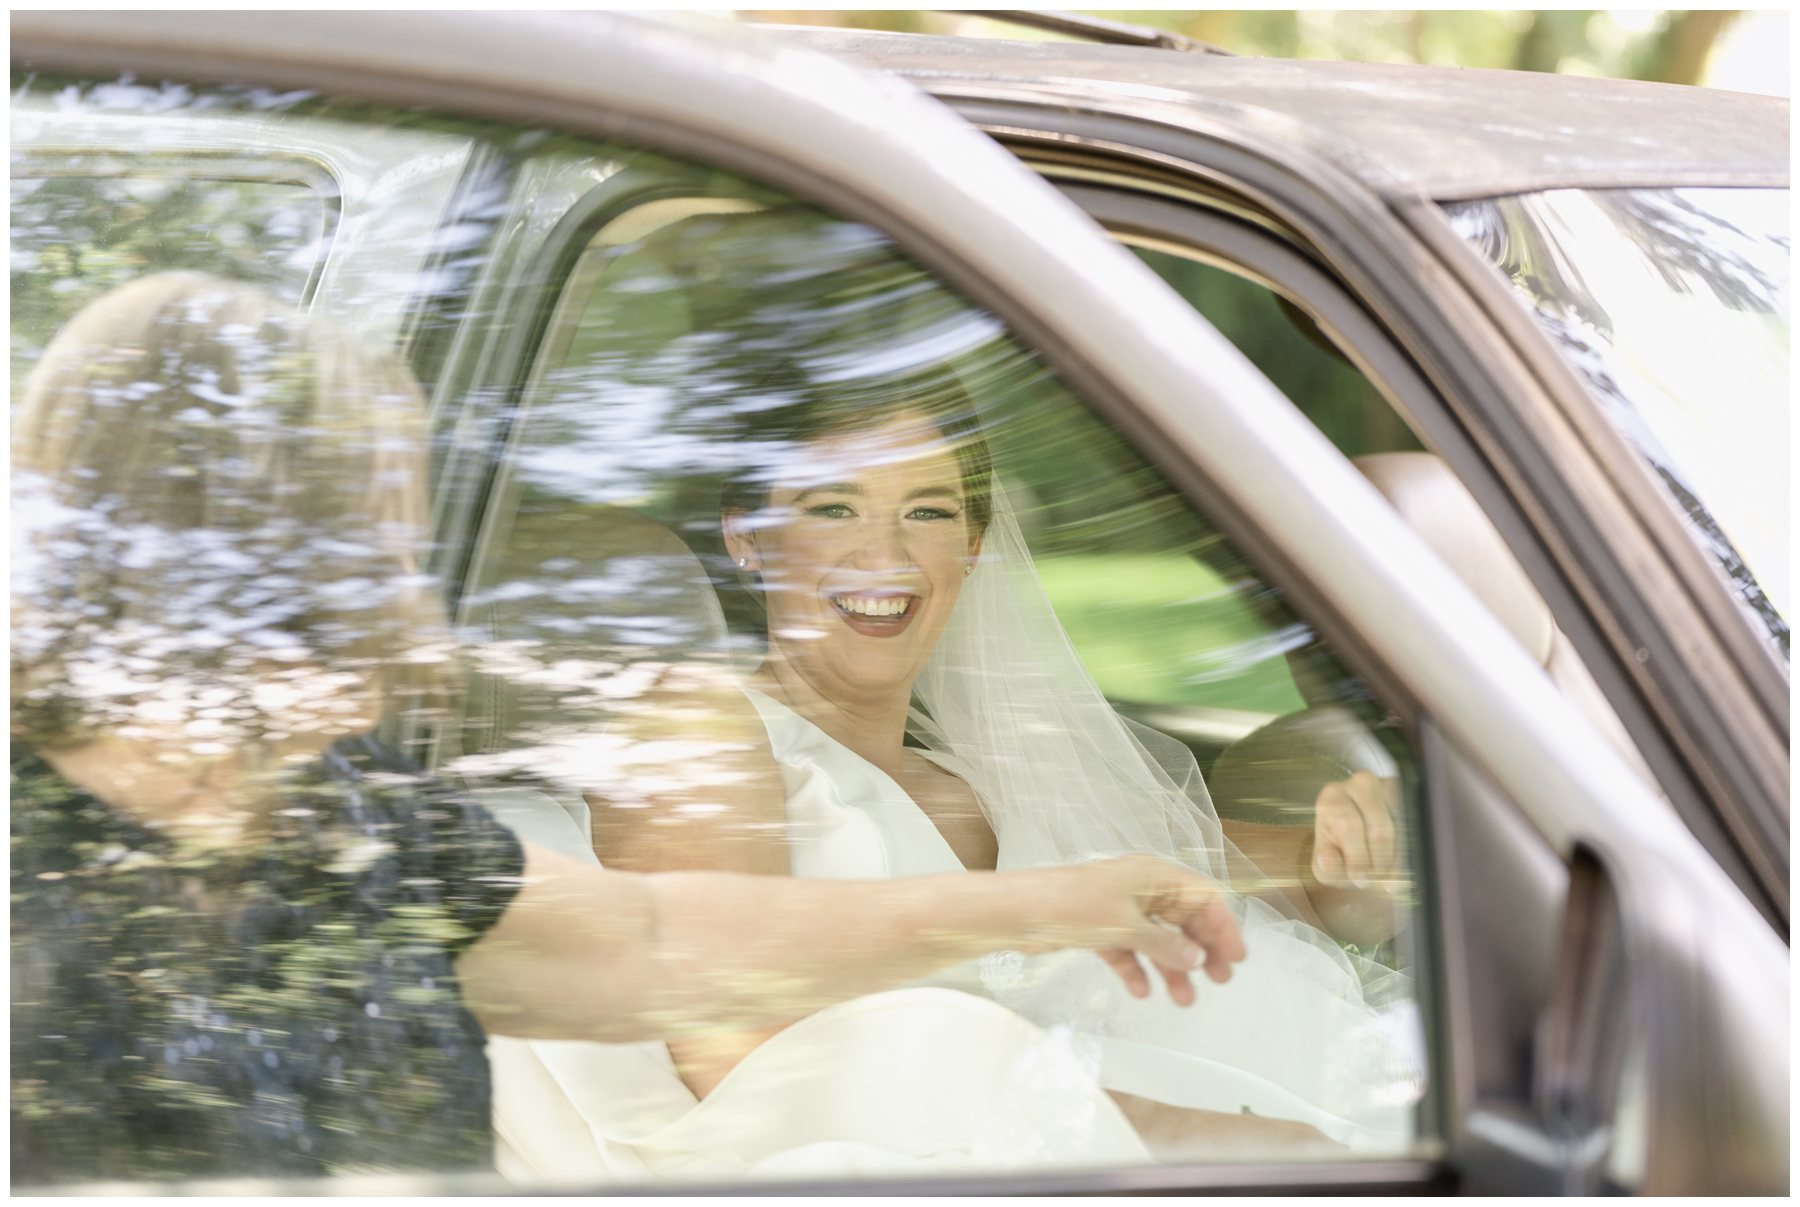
(1181, 985)
(1208, 938)
(1179, 922)
(1126, 964)
(1195, 906)
(1212, 926)
(1173, 956)
(1328, 858)
(1339, 845)
(1169, 950)
(1375, 799)
(1355, 840)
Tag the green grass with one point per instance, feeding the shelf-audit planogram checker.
(1167, 630)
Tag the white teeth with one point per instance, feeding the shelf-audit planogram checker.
(885, 606)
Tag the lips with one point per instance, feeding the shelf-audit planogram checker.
(876, 613)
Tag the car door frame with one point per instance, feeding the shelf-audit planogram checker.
(1650, 616)
(1126, 342)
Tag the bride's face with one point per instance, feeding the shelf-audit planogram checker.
(862, 552)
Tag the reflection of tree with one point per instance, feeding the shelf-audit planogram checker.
(76, 236)
(1685, 245)
(701, 333)
(1524, 251)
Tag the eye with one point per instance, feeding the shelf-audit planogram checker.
(832, 511)
(932, 513)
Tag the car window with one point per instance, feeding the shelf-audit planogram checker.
(713, 473)
(694, 337)
(76, 234)
(1623, 281)
(1339, 367)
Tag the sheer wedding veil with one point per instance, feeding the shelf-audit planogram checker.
(1005, 699)
(1005, 702)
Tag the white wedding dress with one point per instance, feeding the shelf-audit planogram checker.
(997, 1065)
(1000, 1064)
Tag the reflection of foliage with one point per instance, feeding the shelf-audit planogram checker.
(704, 328)
(1688, 248)
(1523, 251)
(76, 236)
(287, 1007)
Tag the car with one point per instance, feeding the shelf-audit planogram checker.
(1422, 423)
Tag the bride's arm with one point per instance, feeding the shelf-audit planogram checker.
(703, 794)
(583, 953)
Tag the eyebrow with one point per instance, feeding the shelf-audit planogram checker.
(851, 488)
(828, 488)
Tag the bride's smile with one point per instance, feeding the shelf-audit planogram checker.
(877, 613)
(862, 550)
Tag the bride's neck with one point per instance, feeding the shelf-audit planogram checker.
(873, 728)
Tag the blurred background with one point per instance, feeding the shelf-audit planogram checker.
(1741, 50)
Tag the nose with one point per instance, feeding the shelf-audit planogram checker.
(883, 546)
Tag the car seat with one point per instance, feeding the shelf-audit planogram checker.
(570, 610)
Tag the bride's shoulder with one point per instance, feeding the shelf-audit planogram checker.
(696, 784)
(700, 703)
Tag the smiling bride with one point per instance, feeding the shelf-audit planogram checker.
(919, 709)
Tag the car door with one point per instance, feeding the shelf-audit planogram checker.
(614, 179)
(1437, 354)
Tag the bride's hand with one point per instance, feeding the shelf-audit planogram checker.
(1141, 905)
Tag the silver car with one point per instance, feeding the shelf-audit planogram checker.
(1420, 423)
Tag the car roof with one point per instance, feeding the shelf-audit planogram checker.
(1444, 132)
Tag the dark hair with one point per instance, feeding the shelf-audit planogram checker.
(789, 409)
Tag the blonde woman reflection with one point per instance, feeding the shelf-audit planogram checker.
(247, 938)
(901, 602)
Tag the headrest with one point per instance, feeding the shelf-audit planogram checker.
(1438, 507)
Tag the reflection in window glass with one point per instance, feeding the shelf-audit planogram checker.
(1673, 307)
(76, 236)
(772, 477)
(763, 552)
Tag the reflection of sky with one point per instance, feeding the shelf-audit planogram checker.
(936, 345)
(608, 429)
(1673, 306)
(1221, 662)
(1707, 382)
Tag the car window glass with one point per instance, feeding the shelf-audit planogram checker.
(74, 236)
(688, 330)
(1626, 283)
(706, 463)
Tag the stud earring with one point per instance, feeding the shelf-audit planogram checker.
(968, 570)
(743, 562)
